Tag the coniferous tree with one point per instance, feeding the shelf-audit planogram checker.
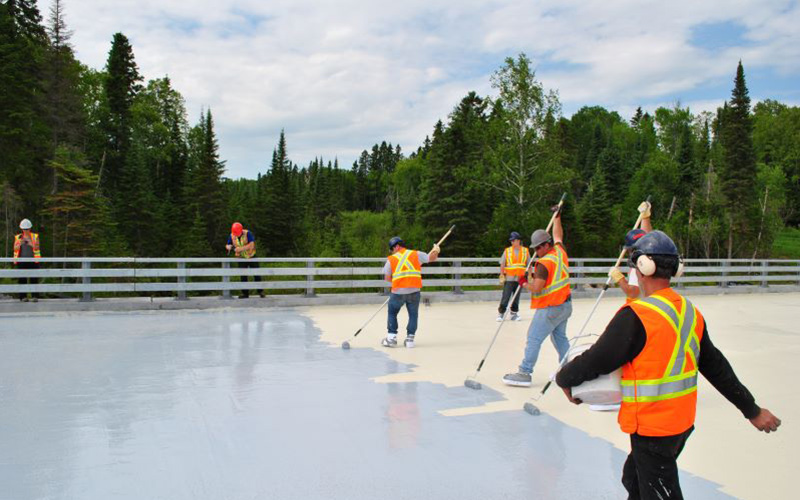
(205, 194)
(739, 173)
(121, 86)
(24, 136)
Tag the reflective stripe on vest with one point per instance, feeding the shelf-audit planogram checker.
(560, 278)
(37, 253)
(516, 268)
(241, 241)
(404, 268)
(676, 381)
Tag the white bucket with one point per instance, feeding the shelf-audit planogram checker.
(604, 390)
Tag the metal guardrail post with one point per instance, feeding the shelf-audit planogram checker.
(457, 276)
(724, 282)
(226, 293)
(181, 281)
(764, 269)
(310, 280)
(86, 280)
(798, 274)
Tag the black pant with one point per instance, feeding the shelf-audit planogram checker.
(509, 288)
(651, 470)
(25, 281)
(247, 264)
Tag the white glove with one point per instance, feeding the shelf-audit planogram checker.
(436, 248)
(502, 279)
(644, 209)
(616, 275)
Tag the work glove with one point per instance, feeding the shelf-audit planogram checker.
(616, 275)
(644, 209)
(523, 280)
(556, 209)
(502, 279)
(436, 248)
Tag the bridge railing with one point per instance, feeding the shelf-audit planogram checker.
(86, 278)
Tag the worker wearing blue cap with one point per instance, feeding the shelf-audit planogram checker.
(513, 264)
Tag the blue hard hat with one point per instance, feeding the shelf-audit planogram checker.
(655, 243)
(633, 236)
(514, 236)
(396, 241)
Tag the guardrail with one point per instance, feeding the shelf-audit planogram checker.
(90, 277)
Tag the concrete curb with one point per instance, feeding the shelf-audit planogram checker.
(12, 306)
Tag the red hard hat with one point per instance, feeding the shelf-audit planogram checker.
(236, 229)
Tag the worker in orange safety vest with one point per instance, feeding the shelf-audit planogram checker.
(26, 246)
(550, 298)
(661, 342)
(403, 269)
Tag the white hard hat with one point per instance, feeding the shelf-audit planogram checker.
(25, 224)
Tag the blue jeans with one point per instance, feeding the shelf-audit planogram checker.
(549, 321)
(396, 302)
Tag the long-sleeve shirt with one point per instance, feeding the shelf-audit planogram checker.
(623, 340)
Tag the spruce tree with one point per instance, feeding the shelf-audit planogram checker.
(739, 173)
(121, 86)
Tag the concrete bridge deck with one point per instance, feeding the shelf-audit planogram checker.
(262, 403)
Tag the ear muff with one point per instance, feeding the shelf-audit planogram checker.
(645, 265)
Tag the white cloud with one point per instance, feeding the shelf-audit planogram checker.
(341, 76)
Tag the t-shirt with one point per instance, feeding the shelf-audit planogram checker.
(250, 238)
(633, 279)
(387, 271)
(26, 250)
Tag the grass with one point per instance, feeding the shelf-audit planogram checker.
(787, 244)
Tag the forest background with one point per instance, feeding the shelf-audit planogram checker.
(106, 163)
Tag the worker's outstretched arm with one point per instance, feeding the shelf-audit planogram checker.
(558, 231)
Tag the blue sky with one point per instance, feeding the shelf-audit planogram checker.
(341, 76)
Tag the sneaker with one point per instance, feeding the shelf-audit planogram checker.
(499, 318)
(515, 317)
(262, 295)
(387, 342)
(518, 379)
(409, 342)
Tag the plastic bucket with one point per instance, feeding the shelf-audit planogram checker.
(604, 390)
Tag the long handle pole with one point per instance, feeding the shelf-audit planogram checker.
(596, 303)
(516, 292)
(446, 235)
(371, 317)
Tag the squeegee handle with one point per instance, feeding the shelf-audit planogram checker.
(555, 214)
(622, 253)
(446, 234)
(371, 317)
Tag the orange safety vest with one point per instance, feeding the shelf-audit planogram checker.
(516, 267)
(556, 288)
(406, 269)
(659, 387)
(241, 241)
(18, 245)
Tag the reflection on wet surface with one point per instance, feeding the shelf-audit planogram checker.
(250, 405)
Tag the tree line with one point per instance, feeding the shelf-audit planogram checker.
(108, 164)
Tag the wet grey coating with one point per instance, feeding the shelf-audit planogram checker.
(251, 405)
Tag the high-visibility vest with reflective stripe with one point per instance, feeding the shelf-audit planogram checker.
(659, 387)
(241, 241)
(556, 288)
(515, 266)
(34, 241)
(406, 269)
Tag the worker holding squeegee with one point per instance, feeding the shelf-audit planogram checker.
(661, 342)
(550, 297)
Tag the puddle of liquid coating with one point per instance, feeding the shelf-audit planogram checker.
(251, 405)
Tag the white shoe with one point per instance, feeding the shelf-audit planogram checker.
(499, 318)
(409, 342)
(516, 317)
